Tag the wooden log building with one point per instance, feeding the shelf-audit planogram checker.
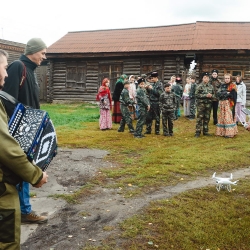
(80, 60)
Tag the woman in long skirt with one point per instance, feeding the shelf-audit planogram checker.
(105, 104)
(227, 95)
(117, 115)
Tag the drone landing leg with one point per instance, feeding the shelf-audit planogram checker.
(218, 186)
(229, 188)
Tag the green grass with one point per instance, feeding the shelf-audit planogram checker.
(199, 219)
(73, 115)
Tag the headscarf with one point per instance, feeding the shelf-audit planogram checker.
(122, 78)
(103, 91)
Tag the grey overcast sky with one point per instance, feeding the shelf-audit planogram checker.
(50, 20)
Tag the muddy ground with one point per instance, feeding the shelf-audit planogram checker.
(96, 217)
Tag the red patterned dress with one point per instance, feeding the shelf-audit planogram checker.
(227, 95)
(105, 104)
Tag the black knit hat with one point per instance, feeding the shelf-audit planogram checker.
(34, 45)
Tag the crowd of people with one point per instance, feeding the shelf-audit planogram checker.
(146, 98)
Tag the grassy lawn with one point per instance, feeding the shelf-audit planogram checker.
(198, 219)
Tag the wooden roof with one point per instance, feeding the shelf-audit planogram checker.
(10, 45)
(184, 37)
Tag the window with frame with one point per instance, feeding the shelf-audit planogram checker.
(235, 72)
(112, 71)
(76, 75)
(149, 65)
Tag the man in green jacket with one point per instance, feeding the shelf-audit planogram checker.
(14, 167)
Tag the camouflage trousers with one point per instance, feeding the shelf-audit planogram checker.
(153, 114)
(203, 117)
(192, 108)
(142, 114)
(167, 122)
(126, 118)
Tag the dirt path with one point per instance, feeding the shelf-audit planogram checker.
(97, 217)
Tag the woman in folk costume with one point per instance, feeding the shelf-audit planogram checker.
(105, 104)
(186, 98)
(227, 95)
(117, 115)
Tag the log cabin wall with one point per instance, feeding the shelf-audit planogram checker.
(92, 72)
(132, 67)
(173, 65)
(92, 79)
(15, 50)
(62, 87)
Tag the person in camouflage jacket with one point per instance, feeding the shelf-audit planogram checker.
(192, 98)
(125, 101)
(204, 95)
(178, 91)
(154, 91)
(143, 107)
(216, 83)
(167, 104)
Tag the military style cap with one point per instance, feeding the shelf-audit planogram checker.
(141, 80)
(205, 74)
(143, 75)
(215, 70)
(154, 74)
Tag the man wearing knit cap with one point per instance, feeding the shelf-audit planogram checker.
(22, 84)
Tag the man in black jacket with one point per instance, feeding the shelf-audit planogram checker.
(22, 84)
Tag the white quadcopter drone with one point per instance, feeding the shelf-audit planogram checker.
(224, 183)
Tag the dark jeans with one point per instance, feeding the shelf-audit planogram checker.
(153, 114)
(215, 109)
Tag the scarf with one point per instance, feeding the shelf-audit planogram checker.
(230, 88)
(104, 91)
